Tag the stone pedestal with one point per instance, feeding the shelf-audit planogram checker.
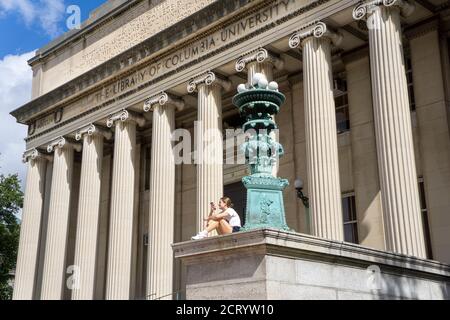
(265, 205)
(273, 264)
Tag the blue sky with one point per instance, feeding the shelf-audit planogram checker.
(23, 30)
(25, 25)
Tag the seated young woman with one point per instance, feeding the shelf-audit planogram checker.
(225, 220)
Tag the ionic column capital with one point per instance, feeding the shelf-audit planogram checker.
(366, 7)
(34, 154)
(123, 116)
(259, 55)
(92, 130)
(60, 143)
(316, 29)
(208, 78)
(163, 99)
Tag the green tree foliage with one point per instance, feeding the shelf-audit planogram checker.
(11, 201)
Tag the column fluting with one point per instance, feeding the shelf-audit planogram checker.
(88, 212)
(58, 220)
(27, 257)
(209, 140)
(398, 177)
(162, 203)
(321, 133)
(118, 276)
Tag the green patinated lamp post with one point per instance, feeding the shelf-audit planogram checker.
(257, 103)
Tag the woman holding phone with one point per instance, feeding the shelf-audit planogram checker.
(225, 220)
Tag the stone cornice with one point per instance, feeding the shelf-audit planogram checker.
(284, 243)
(76, 35)
(317, 29)
(208, 78)
(100, 110)
(92, 130)
(134, 58)
(163, 99)
(259, 55)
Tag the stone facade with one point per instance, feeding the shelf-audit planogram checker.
(89, 76)
(278, 265)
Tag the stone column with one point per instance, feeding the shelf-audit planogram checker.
(162, 197)
(398, 177)
(27, 257)
(209, 156)
(321, 133)
(261, 61)
(58, 219)
(88, 210)
(118, 275)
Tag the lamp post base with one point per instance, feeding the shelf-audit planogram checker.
(265, 205)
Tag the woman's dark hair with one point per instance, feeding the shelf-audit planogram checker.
(227, 201)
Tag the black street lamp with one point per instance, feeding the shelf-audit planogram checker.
(300, 195)
(305, 200)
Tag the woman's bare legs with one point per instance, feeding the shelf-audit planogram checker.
(212, 224)
(222, 227)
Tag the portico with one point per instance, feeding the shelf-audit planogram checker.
(114, 116)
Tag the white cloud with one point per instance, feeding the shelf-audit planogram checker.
(15, 90)
(46, 13)
(52, 13)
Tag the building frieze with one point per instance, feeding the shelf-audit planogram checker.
(135, 80)
(126, 63)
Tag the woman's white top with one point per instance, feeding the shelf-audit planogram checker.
(233, 218)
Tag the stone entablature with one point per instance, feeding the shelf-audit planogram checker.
(136, 81)
(137, 24)
(121, 63)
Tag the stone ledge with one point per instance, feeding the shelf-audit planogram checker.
(291, 244)
(273, 264)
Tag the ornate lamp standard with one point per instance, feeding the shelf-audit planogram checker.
(257, 103)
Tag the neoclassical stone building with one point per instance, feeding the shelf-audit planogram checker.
(365, 125)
